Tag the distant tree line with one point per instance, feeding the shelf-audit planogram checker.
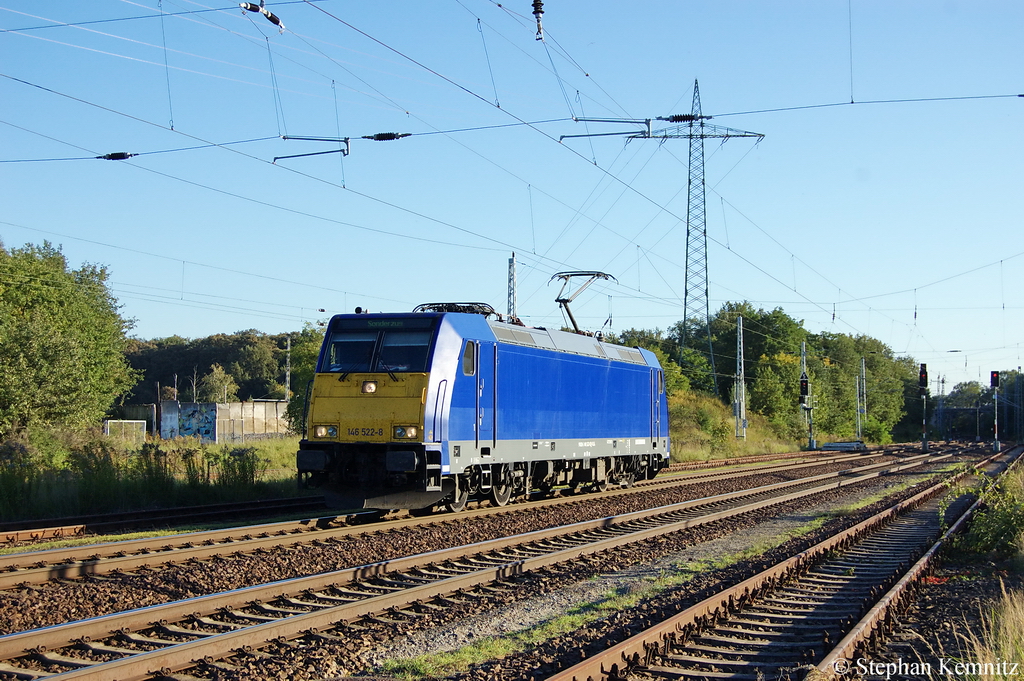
(695, 360)
(968, 411)
(66, 359)
(246, 365)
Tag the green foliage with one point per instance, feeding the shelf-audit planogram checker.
(218, 386)
(701, 427)
(771, 345)
(62, 341)
(240, 467)
(998, 527)
(251, 361)
(775, 394)
(765, 334)
(305, 350)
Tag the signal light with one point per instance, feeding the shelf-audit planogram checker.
(804, 388)
(995, 379)
(922, 380)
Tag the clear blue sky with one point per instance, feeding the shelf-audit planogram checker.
(890, 217)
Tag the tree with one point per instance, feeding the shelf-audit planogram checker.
(675, 382)
(256, 368)
(62, 341)
(305, 350)
(218, 386)
(775, 393)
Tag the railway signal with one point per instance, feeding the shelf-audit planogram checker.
(994, 382)
(922, 380)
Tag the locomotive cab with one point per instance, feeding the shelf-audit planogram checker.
(364, 441)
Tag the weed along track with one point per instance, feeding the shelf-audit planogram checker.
(302, 613)
(66, 563)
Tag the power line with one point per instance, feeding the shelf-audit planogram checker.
(197, 264)
(830, 105)
(620, 180)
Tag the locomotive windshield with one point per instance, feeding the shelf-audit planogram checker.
(369, 345)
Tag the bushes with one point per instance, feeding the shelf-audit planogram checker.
(701, 427)
(998, 529)
(53, 473)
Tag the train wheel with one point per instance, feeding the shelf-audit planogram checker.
(501, 489)
(458, 499)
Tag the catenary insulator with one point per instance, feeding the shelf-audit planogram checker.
(253, 7)
(386, 136)
(116, 156)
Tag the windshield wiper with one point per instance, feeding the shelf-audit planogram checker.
(353, 365)
(390, 372)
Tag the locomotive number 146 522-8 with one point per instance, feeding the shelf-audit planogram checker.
(365, 432)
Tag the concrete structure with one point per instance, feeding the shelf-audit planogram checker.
(215, 423)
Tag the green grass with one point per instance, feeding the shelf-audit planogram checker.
(703, 428)
(53, 474)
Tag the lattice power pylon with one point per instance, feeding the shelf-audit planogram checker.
(695, 128)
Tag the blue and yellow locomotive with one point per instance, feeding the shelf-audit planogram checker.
(433, 408)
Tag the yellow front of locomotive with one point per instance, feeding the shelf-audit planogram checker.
(364, 443)
(367, 407)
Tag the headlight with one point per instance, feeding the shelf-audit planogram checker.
(325, 431)
(369, 387)
(405, 432)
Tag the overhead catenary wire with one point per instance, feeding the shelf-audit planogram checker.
(470, 92)
(921, 99)
(196, 263)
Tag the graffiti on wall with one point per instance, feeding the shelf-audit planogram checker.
(198, 420)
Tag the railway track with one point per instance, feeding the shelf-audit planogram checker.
(63, 528)
(210, 628)
(784, 623)
(36, 567)
(80, 526)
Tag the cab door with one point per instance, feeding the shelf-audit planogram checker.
(657, 392)
(486, 391)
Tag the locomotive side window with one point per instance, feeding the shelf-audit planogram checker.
(469, 359)
(404, 351)
(350, 351)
